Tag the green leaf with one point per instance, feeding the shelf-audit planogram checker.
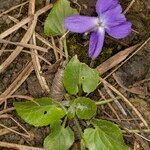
(106, 135)
(61, 140)
(77, 75)
(41, 113)
(85, 107)
(54, 24)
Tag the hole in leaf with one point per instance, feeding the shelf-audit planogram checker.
(45, 112)
(82, 78)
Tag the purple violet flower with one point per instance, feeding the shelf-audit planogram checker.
(110, 19)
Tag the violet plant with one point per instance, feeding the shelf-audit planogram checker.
(110, 19)
(78, 79)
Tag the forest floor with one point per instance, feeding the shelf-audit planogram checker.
(124, 65)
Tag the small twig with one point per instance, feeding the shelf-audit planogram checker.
(25, 39)
(78, 127)
(136, 130)
(25, 21)
(17, 146)
(115, 40)
(16, 132)
(142, 137)
(22, 97)
(124, 61)
(38, 36)
(7, 110)
(5, 44)
(17, 82)
(104, 102)
(54, 47)
(115, 100)
(63, 40)
(6, 131)
(24, 45)
(17, 51)
(12, 8)
(35, 59)
(125, 100)
(110, 106)
(16, 27)
(129, 6)
(28, 52)
(116, 59)
(9, 116)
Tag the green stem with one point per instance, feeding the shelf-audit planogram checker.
(65, 48)
(82, 145)
(64, 122)
(104, 102)
(78, 127)
(80, 90)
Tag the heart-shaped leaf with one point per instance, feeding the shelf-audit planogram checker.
(106, 135)
(78, 75)
(54, 24)
(60, 140)
(85, 107)
(41, 113)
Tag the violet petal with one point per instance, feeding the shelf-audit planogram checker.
(113, 17)
(80, 24)
(104, 5)
(120, 31)
(96, 43)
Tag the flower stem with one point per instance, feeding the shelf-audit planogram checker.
(78, 127)
(82, 144)
(104, 102)
(65, 47)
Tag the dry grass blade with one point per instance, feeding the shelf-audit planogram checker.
(130, 5)
(6, 116)
(113, 110)
(37, 68)
(24, 45)
(25, 39)
(133, 89)
(35, 59)
(14, 131)
(15, 27)
(55, 48)
(117, 41)
(28, 52)
(43, 10)
(125, 100)
(24, 21)
(7, 110)
(115, 100)
(39, 37)
(17, 51)
(6, 131)
(116, 59)
(18, 81)
(12, 8)
(124, 61)
(5, 45)
(18, 146)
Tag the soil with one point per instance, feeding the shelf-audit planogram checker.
(131, 73)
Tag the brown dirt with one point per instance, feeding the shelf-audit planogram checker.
(133, 71)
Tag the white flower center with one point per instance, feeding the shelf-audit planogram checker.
(101, 22)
